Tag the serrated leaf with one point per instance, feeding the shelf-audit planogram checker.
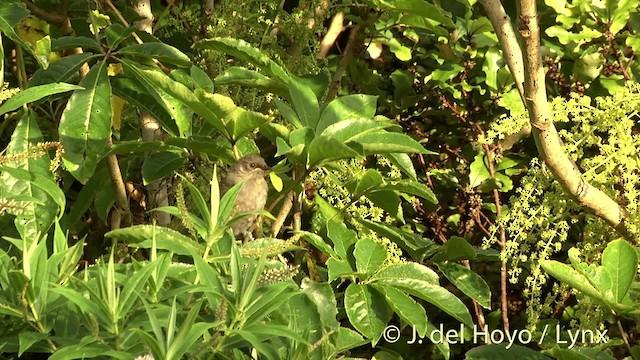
(433, 294)
(384, 142)
(367, 310)
(347, 107)
(407, 309)
(324, 149)
(305, 103)
(370, 255)
(406, 270)
(470, 283)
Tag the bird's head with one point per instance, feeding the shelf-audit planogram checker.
(250, 166)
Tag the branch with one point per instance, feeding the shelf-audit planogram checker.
(49, 16)
(333, 32)
(544, 131)
(349, 53)
(513, 56)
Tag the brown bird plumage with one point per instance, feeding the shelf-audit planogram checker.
(253, 196)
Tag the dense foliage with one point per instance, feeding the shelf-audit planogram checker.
(410, 213)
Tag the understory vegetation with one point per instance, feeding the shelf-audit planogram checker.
(439, 189)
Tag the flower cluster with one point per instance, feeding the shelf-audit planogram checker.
(599, 136)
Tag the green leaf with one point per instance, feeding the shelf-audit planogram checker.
(407, 309)
(347, 130)
(455, 249)
(85, 125)
(324, 149)
(369, 255)
(389, 201)
(633, 41)
(571, 277)
(35, 93)
(201, 78)
(402, 53)
(305, 103)
(249, 78)
(421, 8)
(621, 14)
(470, 283)
(27, 339)
(620, 263)
(31, 177)
(44, 183)
(180, 92)
(167, 239)
(10, 15)
(347, 107)
(435, 295)
(415, 245)
(159, 51)
(288, 114)
(70, 42)
(245, 52)
(565, 37)
(478, 171)
(238, 121)
(579, 354)
(588, 67)
(42, 51)
(367, 310)
(383, 142)
(413, 188)
(342, 237)
(116, 34)
(321, 294)
(346, 339)
(160, 165)
(403, 161)
(155, 104)
(61, 70)
(500, 352)
(406, 270)
(337, 268)
(135, 284)
(371, 180)
(319, 243)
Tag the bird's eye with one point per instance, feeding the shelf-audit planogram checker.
(252, 165)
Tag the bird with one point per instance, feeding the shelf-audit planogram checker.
(252, 197)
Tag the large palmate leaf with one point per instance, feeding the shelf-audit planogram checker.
(85, 125)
